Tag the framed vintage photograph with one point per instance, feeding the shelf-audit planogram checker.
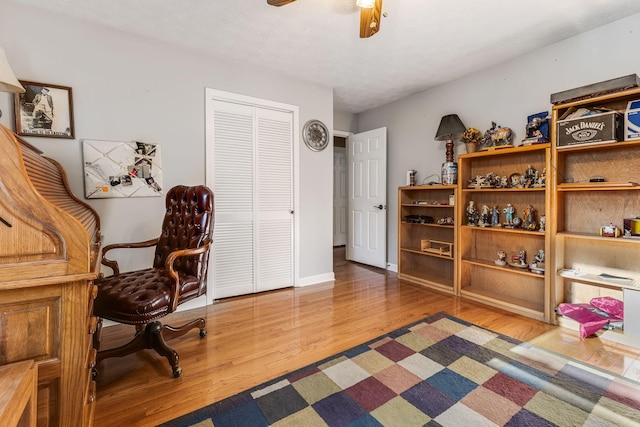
(44, 110)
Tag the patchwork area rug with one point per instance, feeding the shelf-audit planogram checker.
(441, 371)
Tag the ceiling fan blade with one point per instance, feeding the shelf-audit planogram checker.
(370, 20)
(279, 2)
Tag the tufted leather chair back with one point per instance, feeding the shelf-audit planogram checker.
(188, 222)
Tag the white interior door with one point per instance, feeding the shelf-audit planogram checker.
(367, 197)
(339, 196)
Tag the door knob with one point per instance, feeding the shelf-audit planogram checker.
(380, 207)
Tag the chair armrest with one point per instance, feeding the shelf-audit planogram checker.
(112, 264)
(174, 274)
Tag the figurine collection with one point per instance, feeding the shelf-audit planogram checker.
(520, 261)
(490, 217)
(531, 178)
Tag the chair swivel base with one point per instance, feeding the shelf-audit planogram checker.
(154, 336)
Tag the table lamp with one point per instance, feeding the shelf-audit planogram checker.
(8, 81)
(451, 127)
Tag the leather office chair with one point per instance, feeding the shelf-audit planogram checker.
(178, 275)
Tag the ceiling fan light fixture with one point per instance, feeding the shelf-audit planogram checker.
(370, 18)
(366, 4)
(370, 14)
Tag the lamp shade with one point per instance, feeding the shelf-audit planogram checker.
(8, 80)
(450, 128)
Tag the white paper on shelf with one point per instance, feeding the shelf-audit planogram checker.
(567, 272)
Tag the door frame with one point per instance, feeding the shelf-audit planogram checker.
(343, 134)
(220, 95)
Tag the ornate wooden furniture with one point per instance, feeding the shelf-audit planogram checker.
(178, 274)
(18, 391)
(48, 250)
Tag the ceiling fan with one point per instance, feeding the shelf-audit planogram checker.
(370, 12)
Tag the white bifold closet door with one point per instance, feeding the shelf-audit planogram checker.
(253, 186)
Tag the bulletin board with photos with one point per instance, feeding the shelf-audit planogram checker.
(121, 169)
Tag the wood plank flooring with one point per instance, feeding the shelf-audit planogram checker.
(256, 338)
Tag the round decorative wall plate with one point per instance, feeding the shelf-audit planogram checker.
(316, 135)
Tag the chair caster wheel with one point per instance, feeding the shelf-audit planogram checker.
(177, 371)
(203, 333)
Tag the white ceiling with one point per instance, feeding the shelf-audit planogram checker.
(421, 43)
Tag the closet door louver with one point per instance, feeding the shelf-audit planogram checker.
(233, 189)
(253, 198)
(274, 186)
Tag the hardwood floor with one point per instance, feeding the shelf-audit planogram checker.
(255, 338)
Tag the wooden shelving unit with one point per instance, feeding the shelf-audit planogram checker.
(583, 207)
(428, 267)
(575, 209)
(479, 278)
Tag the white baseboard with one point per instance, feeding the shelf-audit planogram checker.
(621, 338)
(392, 267)
(314, 280)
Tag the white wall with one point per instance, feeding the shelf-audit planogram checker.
(346, 122)
(506, 93)
(130, 88)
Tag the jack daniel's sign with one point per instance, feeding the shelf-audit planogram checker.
(594, 129)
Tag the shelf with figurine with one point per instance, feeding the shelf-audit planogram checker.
(490, 217)
(517, 285)
(501, 137)
(531, 178)
(519, 261)
(502, 209)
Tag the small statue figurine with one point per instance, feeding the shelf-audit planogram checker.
(495, 216)
(447, 220)
(543, 223)
(516, 223)
(537, 266)
(539, 258)
(530, 176)
(542, 179)
(522, 257)
(499, 136)
(537, 129)
(509, 211)
(484, 216)
(486, 138)
(472, 214)
(502, 257)
(529, 221)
